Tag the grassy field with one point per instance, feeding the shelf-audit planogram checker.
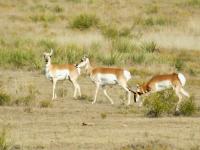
(147, 37)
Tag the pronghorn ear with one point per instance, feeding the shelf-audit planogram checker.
(51, 52)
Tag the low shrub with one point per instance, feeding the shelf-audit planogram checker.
(84, 21)
(179, 64)
(188, 107)
(45, 103)
(103, 115)
(4, 98)
(160, 102)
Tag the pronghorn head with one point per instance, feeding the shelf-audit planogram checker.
(84, 62)
(47, 56)
(139, 91)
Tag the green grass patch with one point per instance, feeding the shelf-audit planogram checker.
(4, 144)
(160, 103)
(123, 45)
(188, 107)
(4, 98)
(84, 21)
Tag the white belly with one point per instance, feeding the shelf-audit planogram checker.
(59, 74)
(163, 85)
(106, 79)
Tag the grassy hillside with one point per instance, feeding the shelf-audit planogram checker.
(129, 33)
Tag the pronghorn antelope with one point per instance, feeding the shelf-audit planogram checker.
(56, 72)
(104, 76)
(162, 82)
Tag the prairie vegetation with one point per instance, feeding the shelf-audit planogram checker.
(146, 37)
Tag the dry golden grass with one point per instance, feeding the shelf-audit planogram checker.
(77, 124)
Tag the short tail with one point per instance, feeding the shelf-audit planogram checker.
(127, 75)
(182, 79)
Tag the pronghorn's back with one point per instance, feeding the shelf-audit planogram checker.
(70, 67)
(118, 72)
(161, 82)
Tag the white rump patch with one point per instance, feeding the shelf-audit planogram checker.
(162, 85)
(106, 79)
(127, 75)
(182, 79)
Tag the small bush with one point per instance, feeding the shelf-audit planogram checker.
(84, 21)
(149, 47)
(4, 98)
(179, 64)
(103, 115)
(160, 102)
(110, 31)
(188, 107)
(194, 3)
(45, 103)
(4, 145)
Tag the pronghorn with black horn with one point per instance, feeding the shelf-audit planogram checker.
(104, 76)
(56, 72)
(162, 82)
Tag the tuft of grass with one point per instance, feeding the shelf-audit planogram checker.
(160, 102)
(194, 3)
(152, 9)
(4, 98)
(179, 64)
(148, 47)
(45, 103)
(110, 31)
(85, 98)
(4, 145)
(111, 59)
(29, 99)
(44, 17)
(103, 115)
(138, 57)
(47, 44)
(84, 21)
(122, 45)
(58, 9)
(188, 107)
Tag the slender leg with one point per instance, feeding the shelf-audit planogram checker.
(96, 92)
(105, 92)
(185, 93)
(179, 96)
(79, 89)
(54, 87)
(75, 87)
(124, 86)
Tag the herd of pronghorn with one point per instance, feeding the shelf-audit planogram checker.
(105, 76)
